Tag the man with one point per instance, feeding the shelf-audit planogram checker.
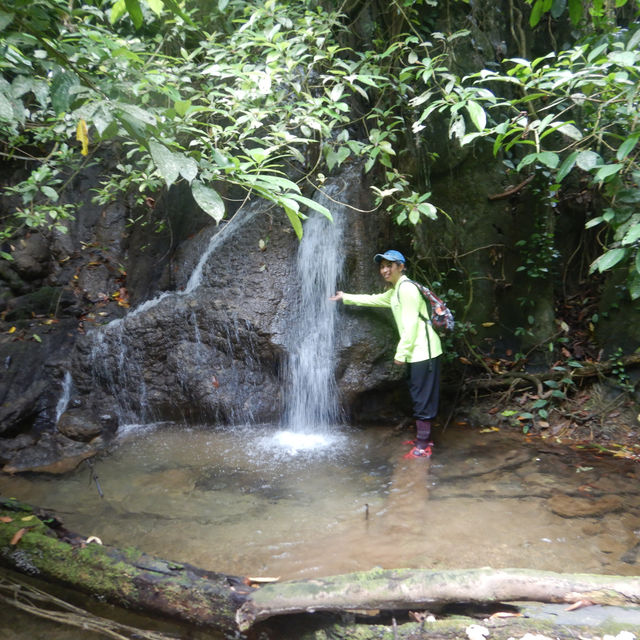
(419, 347)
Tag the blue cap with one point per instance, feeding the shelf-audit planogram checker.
(392, 256)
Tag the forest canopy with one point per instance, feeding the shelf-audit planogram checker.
(243, 98)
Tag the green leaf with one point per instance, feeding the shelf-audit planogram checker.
(632, 235)
(477, 115)
(566, 166)
(527, 160)
(607, 170)
(182, 106)
(294, 219)
(5, 20)
(6, 109)
(312, 204)
(624, 58)
(587, 160)
(627, 146)
(188, 167)
(135, 12)
(536, 13)
(166, 162)
(61, 85)
(208, 200)
(634, 41)
(157, 6)
(575, 11)
(607, 260)
(557, 8)
(549, 159)
(571, 131)
(51, 193)
(118, 9)
(428, 210)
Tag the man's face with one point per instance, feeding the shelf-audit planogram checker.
(391, 271)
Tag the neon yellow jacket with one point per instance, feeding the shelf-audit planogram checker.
(407, 304)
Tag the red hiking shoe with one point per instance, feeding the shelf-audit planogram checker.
(418, 453)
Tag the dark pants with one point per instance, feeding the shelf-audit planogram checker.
(424, 386)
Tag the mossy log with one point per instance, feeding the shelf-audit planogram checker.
(35, 543)
(402, 589)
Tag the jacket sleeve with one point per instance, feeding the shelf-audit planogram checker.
(409, 321)
(364, 300)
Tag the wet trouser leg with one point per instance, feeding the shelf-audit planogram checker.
(424, 386)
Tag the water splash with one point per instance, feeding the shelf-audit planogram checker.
(312, 404)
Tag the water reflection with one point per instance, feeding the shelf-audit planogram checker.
(258, 501)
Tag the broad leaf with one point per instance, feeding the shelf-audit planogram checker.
(587, 160)
(477, 114)
(606, 171)
(135, 12)
(166, 161)
(607, 260)
(627, 146)
(208, 200)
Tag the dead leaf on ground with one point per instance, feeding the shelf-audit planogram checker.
(6, 519)
(505, 614)
(17, 535)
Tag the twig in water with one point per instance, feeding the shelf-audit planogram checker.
(94, 476)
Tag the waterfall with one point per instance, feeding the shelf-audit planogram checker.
(312, 404)
(65, 396)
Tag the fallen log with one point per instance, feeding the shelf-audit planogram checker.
(402, 589)
(526, 379)
(35, 543)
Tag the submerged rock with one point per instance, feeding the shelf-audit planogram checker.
(574, 507)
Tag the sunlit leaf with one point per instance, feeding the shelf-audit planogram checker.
(587, 160)
(135, 12)
(477, 115)
(208, 200)
(166, 162)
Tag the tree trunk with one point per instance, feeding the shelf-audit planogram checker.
(35, 543)
(403, 589)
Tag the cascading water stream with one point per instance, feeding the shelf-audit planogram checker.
(65, 396)
(312, 406)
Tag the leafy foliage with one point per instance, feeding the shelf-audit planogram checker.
(573, 111)
(243, 94)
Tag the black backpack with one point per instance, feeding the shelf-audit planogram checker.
(441, 316)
